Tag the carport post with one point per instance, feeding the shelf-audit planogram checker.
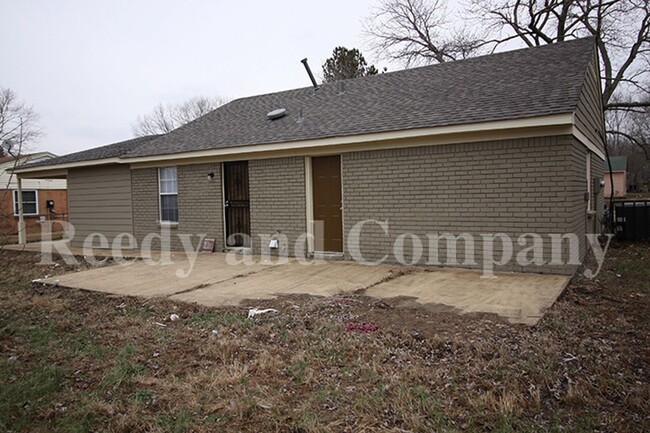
(22, 235)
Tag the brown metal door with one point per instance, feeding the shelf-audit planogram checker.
(235, 184)
(326, 181)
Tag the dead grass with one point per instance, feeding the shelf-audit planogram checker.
(73, 361)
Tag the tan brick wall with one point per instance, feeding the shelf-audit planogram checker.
(200, 204)
(576, 180)
(277, 200)
(144, 190)
(510, 186)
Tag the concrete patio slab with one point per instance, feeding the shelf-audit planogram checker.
(62, 247)
(517, 297)
(140, 278)
(324, 279)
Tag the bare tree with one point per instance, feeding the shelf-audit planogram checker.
(19, 129)
(418, 32)
(630, 136)
(629, 128)
(166, 118)
(18, 122)
(621, 29)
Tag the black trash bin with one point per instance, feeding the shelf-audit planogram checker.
(633, 220)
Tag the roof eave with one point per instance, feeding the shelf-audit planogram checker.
(548, 121)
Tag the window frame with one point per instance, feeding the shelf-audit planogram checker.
(161, 194)
(15, 198)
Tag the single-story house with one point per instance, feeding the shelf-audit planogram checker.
(619, 175)
(508, 143)
(43, 199)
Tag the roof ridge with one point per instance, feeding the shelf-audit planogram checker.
(417, 68)
(509, 85)
(383, 76)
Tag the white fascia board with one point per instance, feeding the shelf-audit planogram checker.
(565, 119)
(552, 120)
(47, 168)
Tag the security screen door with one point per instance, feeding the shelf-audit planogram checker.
(236, 203)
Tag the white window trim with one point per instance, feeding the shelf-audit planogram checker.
(15, 197)
(160, 194)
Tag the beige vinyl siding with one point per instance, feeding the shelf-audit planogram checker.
(589, 113)
(99, 201)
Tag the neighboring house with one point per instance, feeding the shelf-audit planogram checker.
(506, 143)
(36, 194)
(619, 175)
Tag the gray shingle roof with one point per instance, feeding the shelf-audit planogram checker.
(115, 150)
(510, 85)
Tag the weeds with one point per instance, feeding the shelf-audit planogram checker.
(24, 394)
(177, 423)
(124, 369)
(73, 361)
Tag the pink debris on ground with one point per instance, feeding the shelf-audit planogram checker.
(362, 328)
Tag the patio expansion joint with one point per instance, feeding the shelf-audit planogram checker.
(215, 282)
(392, 276)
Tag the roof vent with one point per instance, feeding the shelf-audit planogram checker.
(276, 114)
(311, 76)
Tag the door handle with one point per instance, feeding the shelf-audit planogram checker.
(227, 203)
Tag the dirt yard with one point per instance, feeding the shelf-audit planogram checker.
(75, 361)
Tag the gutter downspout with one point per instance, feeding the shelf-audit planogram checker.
(22, 234)
(610, 223)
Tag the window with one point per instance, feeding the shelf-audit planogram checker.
(168, 194)
(30, 203)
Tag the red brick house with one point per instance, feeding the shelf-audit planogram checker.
(36, 195)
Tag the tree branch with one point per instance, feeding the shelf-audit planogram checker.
(642, 146)
(628, 104)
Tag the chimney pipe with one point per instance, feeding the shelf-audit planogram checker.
(311, 76)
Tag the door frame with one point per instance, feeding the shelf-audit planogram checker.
(309, 201)
(223, 210)
(223, 206)
(309, 197)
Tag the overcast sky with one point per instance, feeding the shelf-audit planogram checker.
(91, 67)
